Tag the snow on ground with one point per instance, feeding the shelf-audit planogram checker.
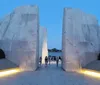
(50, 75)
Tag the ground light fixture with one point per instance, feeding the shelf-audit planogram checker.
(8, 72)
(90, 73)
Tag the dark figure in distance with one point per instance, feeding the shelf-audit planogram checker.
(46, 61)
(40, 60)
(49, 59)
(57, 61)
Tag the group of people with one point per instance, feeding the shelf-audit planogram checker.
(48, 60)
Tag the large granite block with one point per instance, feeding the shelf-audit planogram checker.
(80, 36)
(43, 49)
(19, 36)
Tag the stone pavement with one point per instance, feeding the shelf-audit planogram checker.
(50, 75)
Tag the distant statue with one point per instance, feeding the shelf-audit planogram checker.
(46, 61)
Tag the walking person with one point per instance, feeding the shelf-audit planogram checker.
(46, 61)
(57, 61)
(49, 59)
(60, 58)
(40, 60)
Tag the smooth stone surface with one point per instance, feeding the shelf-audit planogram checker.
(19, 36)
(51, 75)
(6, 64)
(43, 49)
(94, 65)
(81, 39)
(45, 46)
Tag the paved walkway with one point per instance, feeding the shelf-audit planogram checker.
(51, 75)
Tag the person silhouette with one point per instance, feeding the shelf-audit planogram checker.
(57, 61)
(40, 60)
(46, 61)
(49, 59)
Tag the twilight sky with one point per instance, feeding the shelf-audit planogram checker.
(51, 14)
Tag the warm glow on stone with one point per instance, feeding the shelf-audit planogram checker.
(8, 72)
(91, 73)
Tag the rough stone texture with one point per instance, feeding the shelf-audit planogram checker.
(80, 39)
(43, 49)
(19, 36)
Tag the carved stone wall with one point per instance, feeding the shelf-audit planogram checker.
(43, 49)
(19, 36)
(80, 36)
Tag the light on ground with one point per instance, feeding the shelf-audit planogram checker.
(90, 73)
(9, 72)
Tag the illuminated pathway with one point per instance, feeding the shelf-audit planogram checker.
(49, 76)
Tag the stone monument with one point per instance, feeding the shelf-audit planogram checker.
(19, 37)
(43, 49)
(80, 39)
